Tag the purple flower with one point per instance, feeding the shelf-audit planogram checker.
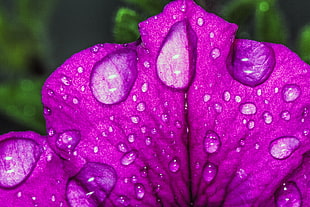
(185, 116)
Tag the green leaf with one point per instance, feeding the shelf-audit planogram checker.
(126, 25)
(21, 101)
(150, 7)
(304, 44)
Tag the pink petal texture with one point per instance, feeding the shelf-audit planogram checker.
(185, 116)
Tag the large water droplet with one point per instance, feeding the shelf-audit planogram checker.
(267, 117)
(282, 147)
(174, 165)
(290, 92)
(209, 172)
(177, 58)
(68, 140)
(18, 158)
(91, 186)
(251, 62)
(113, 77)
(288, 195)
(211, 142)
(247, 108)
(129, 157)
(139, 190)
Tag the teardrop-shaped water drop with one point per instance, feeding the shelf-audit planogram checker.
(18, 158)
(91, 186)
(129, 157)
(111, 83)
(267, 117)
(211, 142)
(68, 140)
(251, 63)
(176, 60)
(288, 195)
(139, 190)
(283, 147)
(290, 92)
(247, 108)
(174, 165)
(209, 172)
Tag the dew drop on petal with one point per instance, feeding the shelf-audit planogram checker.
(148, 141)
(68, 140)
(218, 107)
(209, 172)
(47, 111)
(65, 80)
(122, 147)
(288, 195)
(226, 96)
(283, 147)
(238, 99)
(290, 92)
(178, 124)
(200, 21)
(267, 117)
(206, 98)
(141, 106)
(129, 157)
(251, 124)
(18, 158)
(259, 92)
(165, 117)
(80, 69)
(50, 92)
(144, 87)
(247, 108)
(147, 64)
(139, 190)
(215, 53)
(285, 115)
(174, 165)
(211, 142)
(135, 119)
(111, 83)
(123, 200)
(131, 138)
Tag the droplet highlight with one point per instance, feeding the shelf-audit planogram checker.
(288, 195)
(174, 165)
(129, 157)
(68, 140)
(209, 172)
(267, 117)
(211, 142)
(283, 147)
(139, 190)
(290, 92)
(247, 108)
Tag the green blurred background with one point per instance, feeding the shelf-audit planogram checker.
(38, 36)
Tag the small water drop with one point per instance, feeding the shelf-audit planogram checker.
(226, 96)
(144, 87)
(139, 190)
(135, 119)
(165, 117)
(141, 106)
(47, 111)
(51, 132)
(200, 21)
(178, 124)
(251, 124)
(123, 200)
(285, 115)
(144, 172)
(242, 142)
(19, 194)
(96, 149)
(174, 165)
(122, 147)
(80, 69)
(209, 172)
(238, 99)
(82, 88)
(134, 179)
(211, 35)
(247, 108)
(306, 132)
(68, 140)
(206, 98)
(75, 101)
(94, 49)
(267, 117)
(257, 146)
(259, 92)
(143, 129)
(53, 198)
(212, 142)
(147, 64)
(50, 92)
(148, 141)
(288, 195)
(134, 98)
(290, 92)
(131, 138)
(65, 80)
(215, 53)
(129, 157)
(218, 107)
(282, 147)
(276, 90)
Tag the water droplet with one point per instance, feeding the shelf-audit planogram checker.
(49, 157)
(305, 112)
(251, 62)
(47, 111)
(134, 98)
(65, 80)
(53, 198)
(141, 106)
(92, 185)
(212, 142)
(19, 194)
(211, 35)
(238, 99)
(135, 119)
(165, 117)
(259, 92)
(68, 140)
(174, 165)
(215, 53)
(209, 172)
(18, 158)
(94, 49)
(144, 172)
(123, 200)
(290, 92)
(122, 147)
(282, 147)
(144, 87)
(51, 132)
(276, 90)
(206, 98)
(143, 129)
(82, 88)
(251, 124)
(75, 101)
(50, 92)
(134, 179)
(96, 149)
(200, 21)
(257, 146)
(147, 64)
(247, 108)
(226, 96)
(242, 142)
(131, 138)
(111, 83)
(148, 141)
(288, 195)
(267, 117)
(176, 60)
(306, 132)
(178, 124)
(129, 157)
(80, 69)
(140, 191)
(218, 107)
(286, 115)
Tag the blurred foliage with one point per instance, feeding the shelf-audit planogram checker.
(304, 44)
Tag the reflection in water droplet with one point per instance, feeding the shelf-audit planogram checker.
(215, 53)
(18, 158)
(174, 165)
(209, 172)
(247, 108)
(286, 115)
(68, 140)
(251, 124)
(288, 195)
(282, 147)
(226, 96)
(122, 147)
(290, 92)
(267, 117)
(140, 191)
(50, 92)
(212, 142)
(206, 97)
(129, 157)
